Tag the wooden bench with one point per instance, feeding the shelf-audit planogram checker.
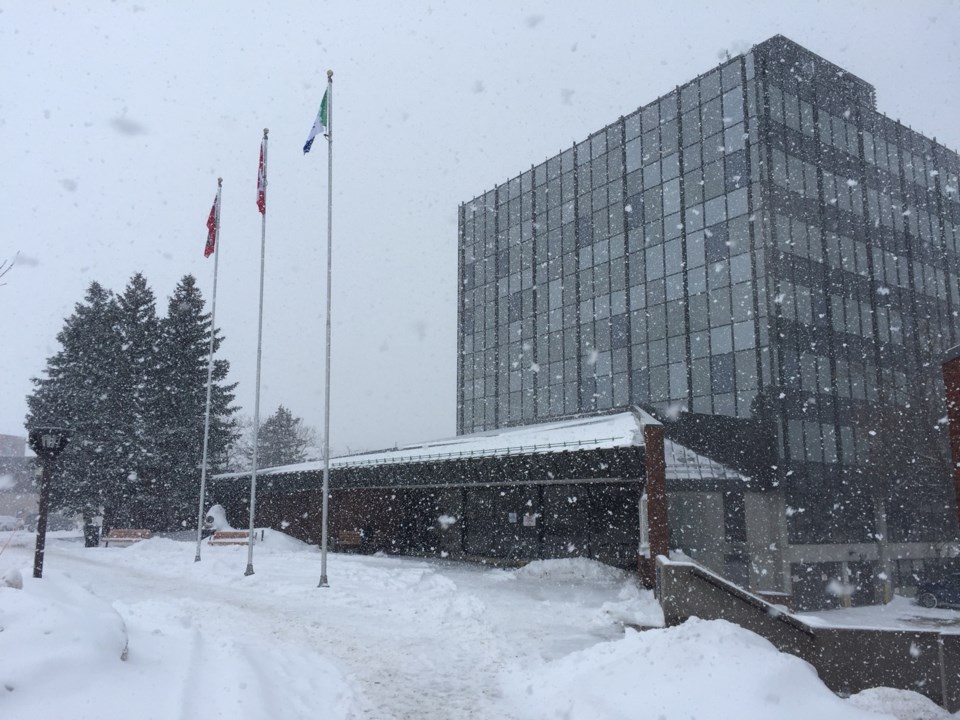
(125, 537)
(232, 537)
(349, 540)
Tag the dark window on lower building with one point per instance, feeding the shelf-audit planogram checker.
(734, 517)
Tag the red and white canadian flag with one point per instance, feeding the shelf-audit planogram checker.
(212, 229)
(262, 178)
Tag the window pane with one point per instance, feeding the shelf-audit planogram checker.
(721, 370)
(737, 203)
(671, 197)
(715, 211)
(721, 340)
(743, 337)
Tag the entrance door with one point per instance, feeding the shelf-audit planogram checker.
(599, 521)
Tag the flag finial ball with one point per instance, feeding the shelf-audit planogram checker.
(266, 131)
(219, 182)
(329, 74)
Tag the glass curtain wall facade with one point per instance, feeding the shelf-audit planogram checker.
(759, 243)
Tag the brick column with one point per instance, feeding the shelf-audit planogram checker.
(951, 380)
(656, 488)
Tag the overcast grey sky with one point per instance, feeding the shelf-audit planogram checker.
(117, 118)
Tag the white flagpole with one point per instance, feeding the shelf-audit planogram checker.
(213, 330)
(326, 394)
(256, 404)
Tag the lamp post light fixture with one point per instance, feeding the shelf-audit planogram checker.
(47, 442)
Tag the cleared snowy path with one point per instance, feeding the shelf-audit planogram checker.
(391, 638)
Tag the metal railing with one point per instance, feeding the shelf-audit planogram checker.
(466, 454)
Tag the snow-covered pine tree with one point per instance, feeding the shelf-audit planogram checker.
(283, 439)
(80, 392)
(133, 390)
(136, 381)
(178, 417)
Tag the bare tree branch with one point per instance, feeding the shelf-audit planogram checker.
(7, 265)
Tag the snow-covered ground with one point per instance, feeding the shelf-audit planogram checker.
(390, 638)
(900, 614)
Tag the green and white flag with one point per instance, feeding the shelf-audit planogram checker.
(319, 125)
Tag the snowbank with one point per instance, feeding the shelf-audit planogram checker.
(902, 704)
(53, 629)
(273, 541)
(216, 519)
(191, 654)
(23, 538)
(281, 542)
(633, 606)
(150, 546)
(701, 669)
(568, 570)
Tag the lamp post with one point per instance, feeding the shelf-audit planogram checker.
(47, 442)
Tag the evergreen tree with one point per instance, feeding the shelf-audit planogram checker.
(79, 392)
(283, 440)
(136, 381)
(178, 417)
(133, 390)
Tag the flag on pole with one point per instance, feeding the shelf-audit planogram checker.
(262, 182)
(211, 230)
(319, 125)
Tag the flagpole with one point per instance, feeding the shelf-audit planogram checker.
(256, 404)
(326, 394)
(213, 330)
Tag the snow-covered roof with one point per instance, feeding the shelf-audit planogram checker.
(684, 464)
(596, 432)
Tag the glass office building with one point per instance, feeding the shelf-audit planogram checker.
(758, 245)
